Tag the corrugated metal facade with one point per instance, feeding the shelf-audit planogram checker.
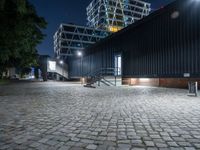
(164, 44)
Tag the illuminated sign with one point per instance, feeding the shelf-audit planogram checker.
(51, 66)
(186, 75)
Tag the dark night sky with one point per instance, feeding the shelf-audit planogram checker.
(67, 11)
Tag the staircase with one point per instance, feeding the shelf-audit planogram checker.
(100, 77)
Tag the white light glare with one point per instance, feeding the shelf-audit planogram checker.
(144, 79)
(52, 65)
(61, 62)
(79, 53)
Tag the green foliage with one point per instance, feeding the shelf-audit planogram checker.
(20, 33)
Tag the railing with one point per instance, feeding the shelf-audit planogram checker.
(62, 71)
(103, 71)
(99, 76)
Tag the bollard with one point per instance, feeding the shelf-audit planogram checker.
(193, 88)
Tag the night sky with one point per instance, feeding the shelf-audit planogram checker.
(67, 11)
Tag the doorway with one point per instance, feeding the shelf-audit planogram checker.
(118, 65)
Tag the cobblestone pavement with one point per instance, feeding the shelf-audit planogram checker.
(62, 116)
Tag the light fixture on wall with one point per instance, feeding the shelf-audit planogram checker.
(144, 79)
(175, 15)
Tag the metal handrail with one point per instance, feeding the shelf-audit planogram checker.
(100, 74)
(103, 70)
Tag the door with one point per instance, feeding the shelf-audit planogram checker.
(118, 64)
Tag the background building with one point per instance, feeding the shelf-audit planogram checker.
(113, 15)
(163, 48)
(71, 38)
(104, 17)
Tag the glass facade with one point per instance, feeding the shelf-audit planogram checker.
(72, 38)
(113, 15)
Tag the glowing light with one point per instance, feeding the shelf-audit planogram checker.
(133, 81)
(61, 62)
(144, 79)
(186, 74)
(175, 15)
(32, 77)
(79, 53)
(83, 80)
(52, 65)
(114, 28)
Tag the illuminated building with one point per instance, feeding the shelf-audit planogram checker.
(162, 49)
(104, 18)
(113, 15)
(71, 38)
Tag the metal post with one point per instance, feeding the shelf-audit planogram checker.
(82, 66)
(193, 88)
(62, 65)
(81, 70)
(80, 54)
(196, 89)
(62, 72)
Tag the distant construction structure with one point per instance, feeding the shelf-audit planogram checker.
(113, 15)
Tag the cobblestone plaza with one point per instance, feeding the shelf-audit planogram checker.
(64, 116)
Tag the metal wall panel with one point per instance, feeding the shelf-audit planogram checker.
(164, 44)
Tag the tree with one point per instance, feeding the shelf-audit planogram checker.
(20, 33)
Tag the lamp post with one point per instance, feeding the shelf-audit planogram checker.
(61, 62)
(79, 53)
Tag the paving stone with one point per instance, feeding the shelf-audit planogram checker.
(124, 146)
(161, 145)
(197, 145)
(43, 140)
(111, 148)
(35, 144)
(91, 146)
(42, 147)
(51, 142)
(76, 148)
(184, 144)
(55, 115)
(102, 147)
(138, 149)
(167, 138)
(175, 148)
(152, 148)
(75, 139)
(190, 148)
(87, 141)
(172, 144)
(149, 143)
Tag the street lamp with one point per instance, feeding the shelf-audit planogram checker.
(61, 62)
(80, 54)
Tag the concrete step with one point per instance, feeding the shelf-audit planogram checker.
(89, 86)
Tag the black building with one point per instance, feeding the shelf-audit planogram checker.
(163, 45)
